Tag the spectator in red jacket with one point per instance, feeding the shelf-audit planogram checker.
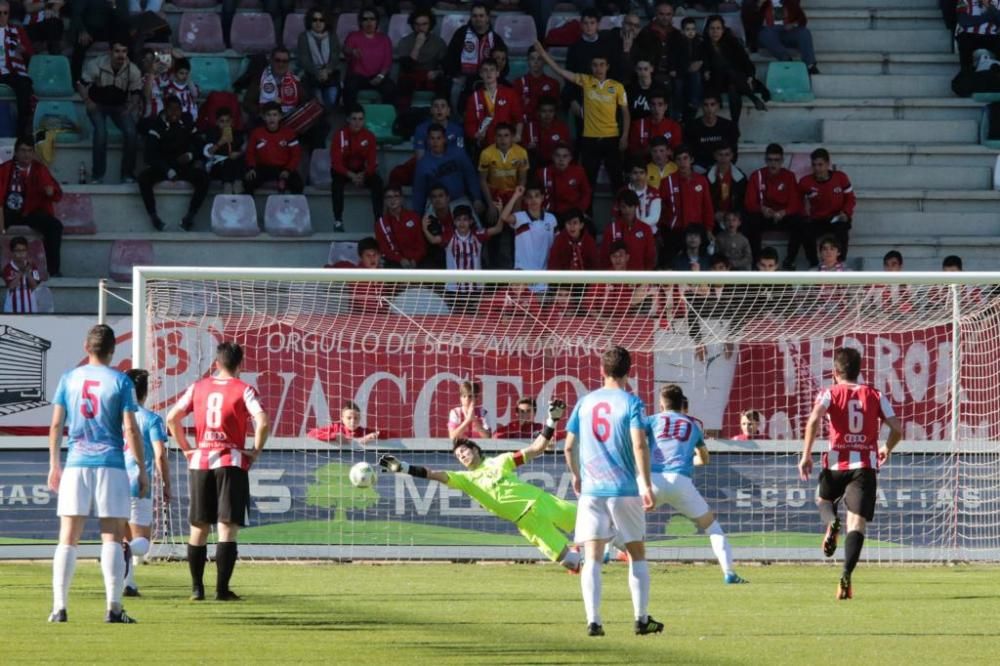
(566, 185)
(687, 200)
(830, 199)
(400, 233)
(273, 153)
(543, 134)
(347, 431)
(778, 25)
(489, 106)
(573, 249)
(657, 123)
(15, 45)
(637, 236)
(773, 200)
(353, 160)
(611, 301)
(523, 426)
(27, 192)
(535, 86)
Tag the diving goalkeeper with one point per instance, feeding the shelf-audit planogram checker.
(541, 518)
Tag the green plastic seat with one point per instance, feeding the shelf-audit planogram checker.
(379, 118)
(51, 76)
(986, 97)
(518, 68)
(210, 73)
(789, 82)
(422, 98)
(369, 97)
(6, 92)
(52, 114)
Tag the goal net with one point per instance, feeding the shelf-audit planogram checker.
(400, 347)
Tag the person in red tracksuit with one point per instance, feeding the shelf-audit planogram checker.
(658, 123)
(353, 160)
(566, 185)
(636, 235)
(687, 200)
(573, 249)
(400, 233)
(489, 106)
(542, 135)
(535, 86)
(273, 153)
(830, 198)
(773, 200)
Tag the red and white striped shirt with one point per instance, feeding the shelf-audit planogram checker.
(14, 46)
(975, 8)
(854, 413)
(463, 253)
(154, 102)
(20, 299)
(186, 92)
(222, 407)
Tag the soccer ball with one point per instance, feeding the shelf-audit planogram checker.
(362, 475)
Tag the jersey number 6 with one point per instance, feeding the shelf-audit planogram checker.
(600, 423)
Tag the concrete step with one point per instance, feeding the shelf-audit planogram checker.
(890, 41)
(942, 64)
(888, 85)
(981, 250)
(875, 5)
(977, 225)
(823, 19)
(951, 202)
(896, 131)
(926, 177)
(901, 154)
(801, 122)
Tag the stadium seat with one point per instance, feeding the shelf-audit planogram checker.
(449, 23)
(734, 22)
(252, 5)
(369, 97)
(287, 215)
(319, 168)
(6, 92)
(518, 68)
(379, 118)
(517, 31)
(44, 301)
(234, 215)
(422, 99)
(201, 32)
(800, 164)
(789, 82)
(559, 20)
(6, 152)
(986, 97)
(399, 27)
(210, 73)
(76, 212)
(195, 4)
(295, 25)
(610, 22)
(128, 253)
(984, 131)
(60, 116)
(342, 254)
(253, 32)
(50, 75)
(346, 24)
(36, 248)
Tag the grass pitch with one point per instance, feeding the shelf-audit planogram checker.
(509, 614)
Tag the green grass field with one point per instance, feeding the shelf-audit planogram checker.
(510, 614)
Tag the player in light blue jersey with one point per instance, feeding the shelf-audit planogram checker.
(97, 405)
(606, 451)
(154, 441)
(676, 446)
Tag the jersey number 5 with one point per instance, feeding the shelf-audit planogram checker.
(600, 423)
(213, 410)
(90, 404)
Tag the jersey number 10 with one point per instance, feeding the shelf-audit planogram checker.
(675, 429)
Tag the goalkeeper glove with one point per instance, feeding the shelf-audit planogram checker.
(556, 410)
(397, 466)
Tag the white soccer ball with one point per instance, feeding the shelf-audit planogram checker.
(362, 475)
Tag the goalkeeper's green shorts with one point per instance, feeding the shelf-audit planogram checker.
(546, 523)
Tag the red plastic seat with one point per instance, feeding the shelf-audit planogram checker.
(287, 215)
(450, 23)
(346, 24)
(253, 32)
(128, 253)
(319, 168)
(295, 25)
(201, 32)
(36, 249)
(399, 27)
(76, 212)
(518, 32)
(234, 215)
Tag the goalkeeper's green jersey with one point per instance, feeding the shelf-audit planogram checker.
(496, 487)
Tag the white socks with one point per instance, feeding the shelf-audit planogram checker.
(571, 560)
(638, 585)
(590, 582)
(63, 567)
(130, 576)
(113, 566)
(720, 546)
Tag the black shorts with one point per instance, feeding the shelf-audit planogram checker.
(858, 487)
(220, 495)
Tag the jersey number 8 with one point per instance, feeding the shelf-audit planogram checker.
(213, 410)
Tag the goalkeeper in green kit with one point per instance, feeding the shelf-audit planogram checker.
(542, 519)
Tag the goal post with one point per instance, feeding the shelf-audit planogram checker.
(397, 344)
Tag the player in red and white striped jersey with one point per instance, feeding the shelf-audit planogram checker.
(21, 278)
(855, 413)
(218, 464)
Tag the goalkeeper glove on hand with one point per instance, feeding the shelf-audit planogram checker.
(556, 410)
(393, 464)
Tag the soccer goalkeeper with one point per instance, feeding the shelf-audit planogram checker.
(541, 518)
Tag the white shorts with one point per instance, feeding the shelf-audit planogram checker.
(100, 491)
(622, 518)
(679, 492)
(142, 511)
